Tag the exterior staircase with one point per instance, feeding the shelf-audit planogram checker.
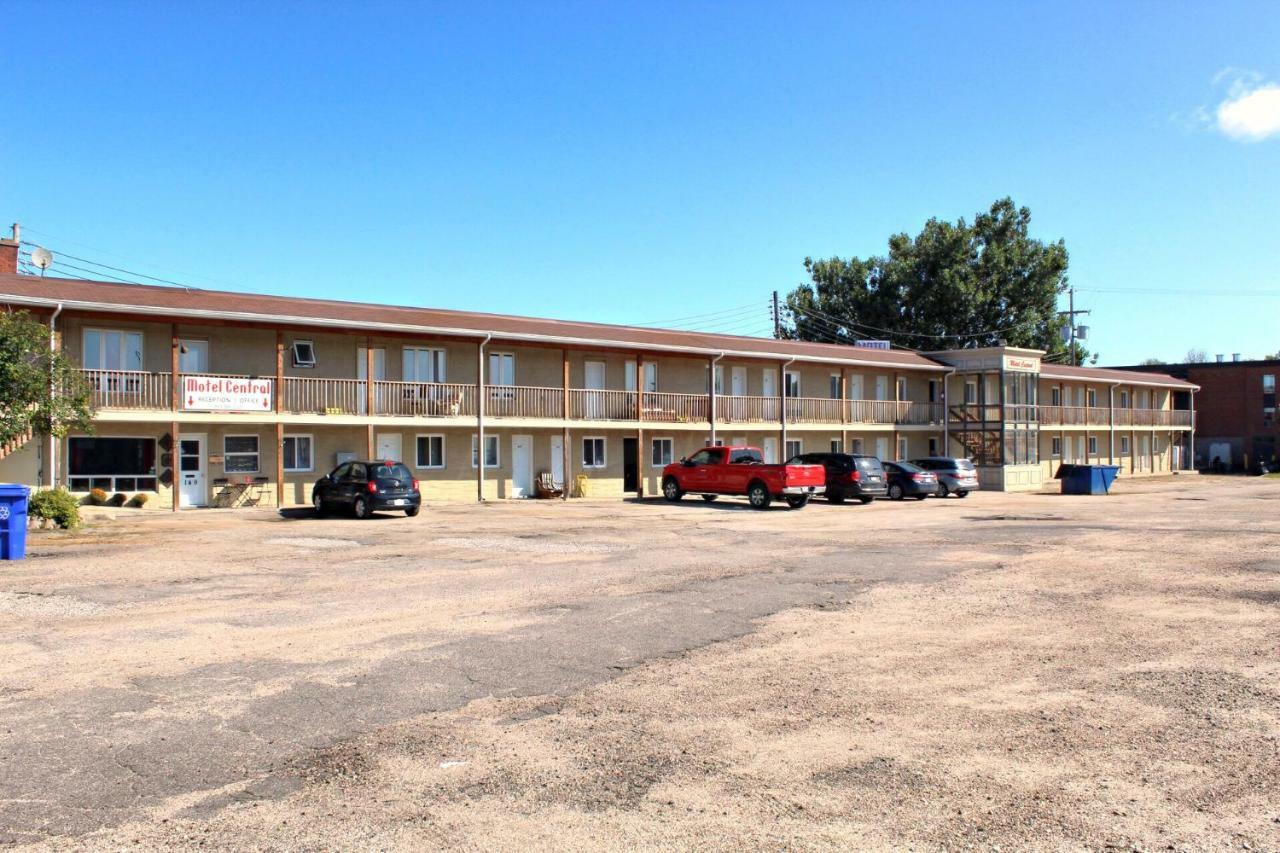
(17, 444)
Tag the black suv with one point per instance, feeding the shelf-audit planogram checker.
(849, 476)
(363, 487)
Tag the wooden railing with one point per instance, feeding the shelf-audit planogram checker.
(421, 399)
(305, 395)
(592, 405)
(814, 410)
(129, 389)
(732, 409)
(675, 408)
(520, 401)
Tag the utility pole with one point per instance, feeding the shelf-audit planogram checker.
(777, 321)
(1070, 314)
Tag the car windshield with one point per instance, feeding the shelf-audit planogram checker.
(750, 456)
(964, 465)
(395, 471)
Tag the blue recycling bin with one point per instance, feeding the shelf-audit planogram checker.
(13, 521)
(1087, 479)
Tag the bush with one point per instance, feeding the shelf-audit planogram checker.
(97, 497)
(57, 505)
(140, 500)
(118, 499)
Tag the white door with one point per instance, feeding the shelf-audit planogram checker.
(882, 449)
(193, 356)
(594, 382)
(191, 467)
(738, 382)
(855, 387)
(362, 373)
(521, 466)
(390, 446)
(1080, 449)
(771, 451)
(882, 387)
(770, 385)
(557, 461)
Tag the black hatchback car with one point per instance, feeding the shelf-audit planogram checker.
(364, 487)
(850, 476)
(907, 480)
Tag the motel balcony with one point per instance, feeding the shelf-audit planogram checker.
(140, 391)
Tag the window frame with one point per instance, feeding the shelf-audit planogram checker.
(1125, 445)
(501, 355)
(1055, 446)
(1091, 445)
(671, 450)
(837, 445)
(417, 458)
(603, 461)
(302, 364)
(438, 358)
(102, 332)
(257, 454)
(475, 442)
(903, 448)
(311, 452)
(154, 477)
(786, 448)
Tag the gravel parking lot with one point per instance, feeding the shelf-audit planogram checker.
(1028, 671)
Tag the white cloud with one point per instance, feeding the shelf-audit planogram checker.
(1251, 114)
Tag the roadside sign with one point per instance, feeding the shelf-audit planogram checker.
(226, 394)
(872, 344)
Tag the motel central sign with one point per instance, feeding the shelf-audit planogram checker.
(226, 394)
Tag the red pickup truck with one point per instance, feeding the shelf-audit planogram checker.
(715, 471)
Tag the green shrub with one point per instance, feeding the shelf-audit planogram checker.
(140, 500)
(97, 497)
(118, 499)
(58, 505)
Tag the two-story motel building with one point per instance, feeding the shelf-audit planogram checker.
(207, 398)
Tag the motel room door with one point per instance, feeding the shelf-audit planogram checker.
(362, 374)
(390, 446)
(557, 461)
(630, 465)
(521, 466)
(192, 467)
(594, 376)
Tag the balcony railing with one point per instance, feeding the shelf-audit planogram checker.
(519, 401)
(304, 395)
(129, 389)
(746, 410)
(420, 399)
(591, 405)
(675, 408)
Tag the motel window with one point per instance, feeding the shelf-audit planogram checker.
(971, 392)
(1124, 444)
(111, 464)
(903, 452)
(112, 349)
(502, 369)
(933, 447)
(1093, 445)
(593, 452)
(902, 387)
(837, 446)
(1055, 447)
(1269, 398)
(297, 453)
(794, 447)
(240, 454)
(1091, 397)
(304, 354)
(834, 390)
(430, 451)
(1055, 396)
(650, 370)
(661, 452)
(491, 458)
(857, 446)
(422, 364)
(1124, 400)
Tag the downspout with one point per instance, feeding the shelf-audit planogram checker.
(946, 413)
(1111, 420)
(782, 387)
(711, 382)
(53, 442)
(480, 455)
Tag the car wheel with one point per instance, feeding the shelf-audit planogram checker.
(895, 492)
(709, 498)
(865, 501)
(797, 501)
(319, 505)
(671, 489)
(943, 491)
(412, 511)
(758, 495)
(962, 494)
(361, 508)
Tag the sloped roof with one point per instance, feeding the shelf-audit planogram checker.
(1107, 374)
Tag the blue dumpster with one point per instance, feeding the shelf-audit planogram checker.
(1087, 479)
(13, 521)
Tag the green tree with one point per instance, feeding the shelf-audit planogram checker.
(953, 285)
(29, 369)
(1151, 361)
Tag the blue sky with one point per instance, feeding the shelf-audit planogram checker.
(644, 162)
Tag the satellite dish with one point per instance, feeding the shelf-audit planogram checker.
(41, 257)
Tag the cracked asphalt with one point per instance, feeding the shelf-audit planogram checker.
(253, 680)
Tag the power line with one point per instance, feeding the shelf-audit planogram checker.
(117, 269)
(708, 315)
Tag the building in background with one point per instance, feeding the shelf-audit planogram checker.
(1236, 427)
(208, 398)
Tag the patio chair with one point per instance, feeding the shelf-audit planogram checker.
(545, 487)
